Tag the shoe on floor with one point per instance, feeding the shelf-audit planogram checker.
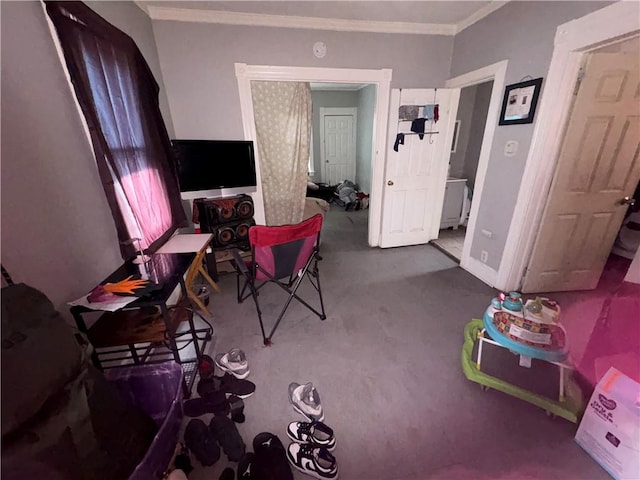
(206, 366)
(236, 406)
(225, 431)
(227, 474)
(270, 462)
(207, 386)
(233, 362)
(315, 461)
(227, 384)
(200, 442)
(214, 402)
(306, 401)
(230, 385)
(245, 467)
(315, 433)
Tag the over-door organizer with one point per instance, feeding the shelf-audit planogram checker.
(422, 118)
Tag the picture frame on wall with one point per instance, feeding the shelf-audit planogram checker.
(519, 102)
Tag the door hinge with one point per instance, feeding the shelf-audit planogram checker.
(578, 81)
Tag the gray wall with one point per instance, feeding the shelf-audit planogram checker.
(57, 231)
(197, 63)
(322, 98)
(464, 114)
(476, 133)
(523, 33)
(364, 143)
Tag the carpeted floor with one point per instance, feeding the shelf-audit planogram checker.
(386, 363)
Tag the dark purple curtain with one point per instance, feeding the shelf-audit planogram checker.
(119, 98)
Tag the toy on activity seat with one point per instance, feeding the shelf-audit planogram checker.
(530, 329)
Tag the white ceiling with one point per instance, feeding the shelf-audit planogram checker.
(420, 17)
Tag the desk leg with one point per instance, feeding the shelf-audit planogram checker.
(171, 334)
(192, 327)
(212, 266)
(82, 327)
(196, 268)
(134, 354)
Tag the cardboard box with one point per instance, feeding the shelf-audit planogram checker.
(610, 428)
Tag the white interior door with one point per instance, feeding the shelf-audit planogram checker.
(338, 144)
(598, 166)
(415, 175)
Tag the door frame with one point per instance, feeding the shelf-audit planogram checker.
(573, 41)
(380, 78)
(496, 72)
(331, 111)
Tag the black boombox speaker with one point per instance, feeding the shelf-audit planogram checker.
(232, 233)
(229, 219)
(217, 211)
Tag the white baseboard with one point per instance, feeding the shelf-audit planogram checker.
(480, 270)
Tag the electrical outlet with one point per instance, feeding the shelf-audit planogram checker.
(487, 233)
(484, 256)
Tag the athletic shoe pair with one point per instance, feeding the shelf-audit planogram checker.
(311, 447)
(312, 441)
(234, 362)
(305, 400)
(205, 441)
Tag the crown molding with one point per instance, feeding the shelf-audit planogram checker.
(480, 14)
(156, 12)
(285, 21)
(142, 6)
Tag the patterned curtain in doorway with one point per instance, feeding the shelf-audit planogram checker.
(283, 125)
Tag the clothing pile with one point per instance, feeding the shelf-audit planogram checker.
(350, 197)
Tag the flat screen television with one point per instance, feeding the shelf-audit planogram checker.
(212, 167)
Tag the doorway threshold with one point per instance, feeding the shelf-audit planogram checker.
(450, 242)
(452, 256)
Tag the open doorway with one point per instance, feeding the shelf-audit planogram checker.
(340, 168)
(381, 79)
(471, 119)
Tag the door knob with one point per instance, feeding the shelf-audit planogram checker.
(627, 201)
(390, 182)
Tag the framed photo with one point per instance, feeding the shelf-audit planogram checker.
(519, 103)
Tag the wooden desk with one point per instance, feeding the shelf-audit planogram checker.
(198, 243)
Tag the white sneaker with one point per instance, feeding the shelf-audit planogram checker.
(233, 362)
(315, 461)
(306, 401)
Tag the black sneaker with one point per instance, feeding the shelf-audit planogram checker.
(231, 385)
(245, 467)
(201, 442)
(225, 431)
(228, 384)
(316, 433)
(270, 461)
(315, 461)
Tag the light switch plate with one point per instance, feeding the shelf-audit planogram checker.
(510, 148)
